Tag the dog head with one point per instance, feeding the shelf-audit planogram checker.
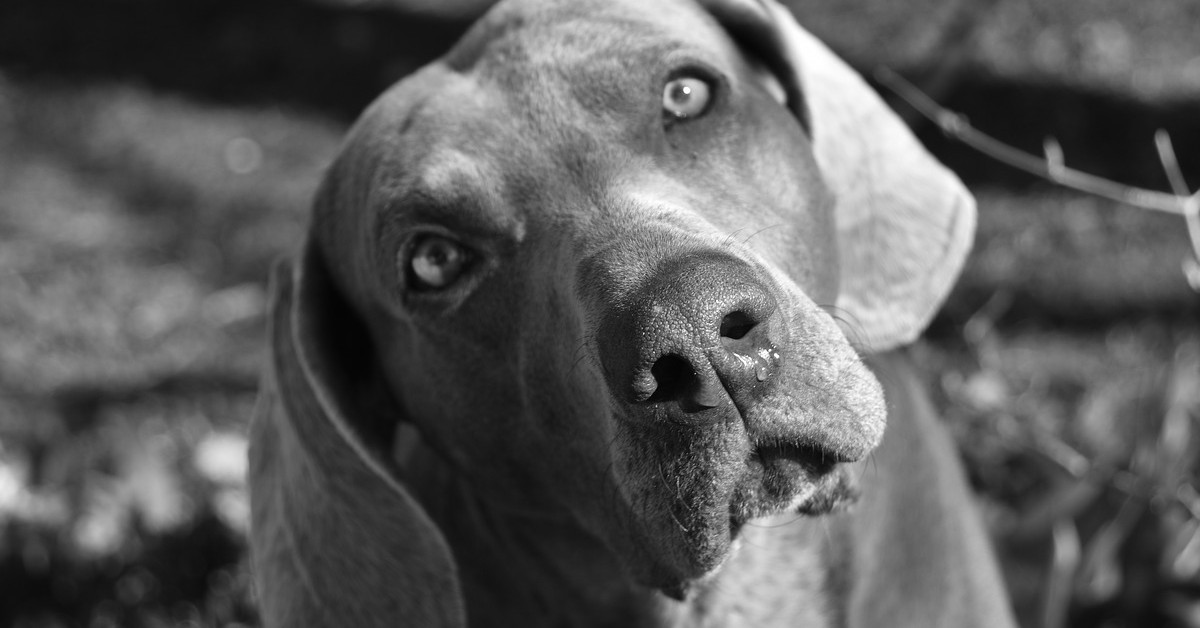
(595, 255)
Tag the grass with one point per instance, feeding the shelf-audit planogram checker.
(135, 240)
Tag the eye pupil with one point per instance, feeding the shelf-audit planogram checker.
(437, 256)
(436, 262)
(686, 97)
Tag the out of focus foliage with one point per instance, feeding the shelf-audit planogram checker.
(155, 158)
(135, 235)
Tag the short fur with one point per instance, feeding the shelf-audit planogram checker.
(635, 407)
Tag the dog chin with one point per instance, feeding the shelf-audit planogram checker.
(780, 487)
(675, 567)
(678, 586)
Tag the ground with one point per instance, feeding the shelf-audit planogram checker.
(149, 177)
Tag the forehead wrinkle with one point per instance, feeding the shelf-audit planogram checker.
(604, 64)
(451, 169)
(578, 43)
(520, 102)
(458, 190)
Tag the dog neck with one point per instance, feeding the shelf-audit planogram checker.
(521, 568)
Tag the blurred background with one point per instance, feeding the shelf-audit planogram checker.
(157, 156)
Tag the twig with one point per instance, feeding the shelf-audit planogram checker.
(1099, 578)
(1063, 567)
(1191, 204)
(978, 329)
(953, 47)
(956, 126)
(1052, 167)
(1166, 154)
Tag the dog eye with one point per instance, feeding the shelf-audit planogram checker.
(686, 97)
(436, 262)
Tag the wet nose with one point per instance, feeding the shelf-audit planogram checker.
(697, 336)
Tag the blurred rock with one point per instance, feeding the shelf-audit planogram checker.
(221, 458)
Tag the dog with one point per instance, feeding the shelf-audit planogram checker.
(599, 323)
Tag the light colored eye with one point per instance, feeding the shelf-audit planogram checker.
(437, 262)
(686, 97)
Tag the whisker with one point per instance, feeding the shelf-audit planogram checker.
(580, 353)
(678, 498)
(729, 237)
(748, 238)
(850, 325)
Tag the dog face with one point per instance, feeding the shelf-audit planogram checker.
(586, 256)
(592, 269)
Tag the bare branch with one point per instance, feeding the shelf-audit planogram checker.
(951, 50)
(1053, 167)
(1166, 154)
(956, 126)
(1191, 203)
(1064, 565)
(1056, 163)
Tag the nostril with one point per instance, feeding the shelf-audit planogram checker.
(735, 325)
(676, 379)
(674, 375)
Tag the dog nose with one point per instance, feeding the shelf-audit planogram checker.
(696, 336)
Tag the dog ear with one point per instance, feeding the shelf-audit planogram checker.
(337, 539)
(905, 222)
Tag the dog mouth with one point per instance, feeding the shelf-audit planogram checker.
(787, 477)
(771, 479)
(806, 459)
(692, 489)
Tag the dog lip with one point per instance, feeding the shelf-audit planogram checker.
(815, 460)
(792, 477)
(835, 492)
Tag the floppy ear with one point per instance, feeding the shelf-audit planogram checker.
(337, 539)
(905, 222)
